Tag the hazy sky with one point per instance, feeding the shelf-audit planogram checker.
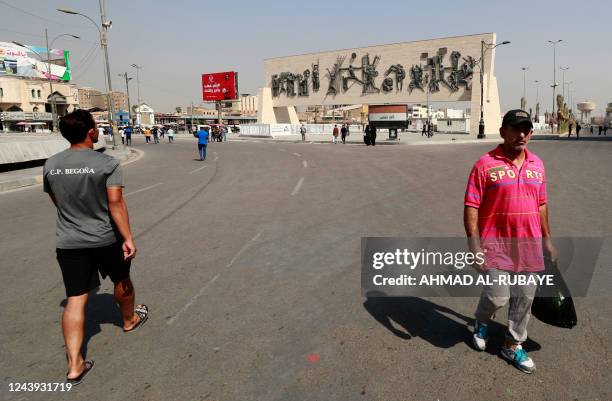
(176, 41)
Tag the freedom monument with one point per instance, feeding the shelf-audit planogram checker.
(443, 70)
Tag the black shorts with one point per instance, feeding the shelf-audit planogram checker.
(80, 267)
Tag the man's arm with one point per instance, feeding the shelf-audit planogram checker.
(119, 214)
(470, 223)
(549, 248)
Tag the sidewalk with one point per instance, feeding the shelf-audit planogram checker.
(11, 180)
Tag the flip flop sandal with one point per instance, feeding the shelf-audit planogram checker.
(143, 313)
(79, 379)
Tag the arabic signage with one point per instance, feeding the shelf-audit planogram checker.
(27, 61)
(220, 86)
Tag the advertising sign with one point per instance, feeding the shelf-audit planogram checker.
(220, 86)
(26, 62)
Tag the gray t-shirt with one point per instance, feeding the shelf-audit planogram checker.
(78, 179)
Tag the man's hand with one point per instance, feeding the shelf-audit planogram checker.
(129, 250)
(550, 250)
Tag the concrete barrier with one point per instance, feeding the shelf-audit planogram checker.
(20, 148)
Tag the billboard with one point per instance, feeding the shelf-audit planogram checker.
(220, 86)
(388, 115)
(26, 62)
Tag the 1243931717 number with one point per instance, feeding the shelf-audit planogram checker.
(38, 386)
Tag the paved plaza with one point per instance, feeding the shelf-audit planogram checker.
(250, 265)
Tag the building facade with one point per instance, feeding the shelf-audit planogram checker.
(90, 98)
(33, 97)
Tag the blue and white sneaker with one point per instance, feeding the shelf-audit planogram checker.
(519, 358)
(481, 335)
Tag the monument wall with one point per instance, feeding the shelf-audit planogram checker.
(446, 70)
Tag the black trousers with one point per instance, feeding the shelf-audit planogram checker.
(373, 139)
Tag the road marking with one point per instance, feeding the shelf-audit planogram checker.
(197, 169)
(192, 300)
(143, 189)
(282, 150)
(216, 157)
(297, 154)
(304, 163)
(243, 249)
(297, 186)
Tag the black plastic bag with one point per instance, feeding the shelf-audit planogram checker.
(555, 309)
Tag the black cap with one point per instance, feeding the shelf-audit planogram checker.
(515, 118)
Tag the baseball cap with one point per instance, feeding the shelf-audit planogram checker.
(516, 118)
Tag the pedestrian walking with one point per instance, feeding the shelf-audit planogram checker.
(202, 136)
(303, 132)
(367, 138)
(147, 134)
(600, 129)
(569, 127)
(373, 134)
(578, 128)
(605, 130)
(424, 130)
(591, 129)
(429, 129)
(506, 219)
(155, 135)
(170, 135)
(122, 133)
(93, 233)
(335, 134)
(162, 131)
(128, 135)
(343, 132)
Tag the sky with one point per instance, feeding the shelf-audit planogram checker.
(177, 41)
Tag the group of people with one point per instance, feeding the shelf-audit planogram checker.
(601, 129)
(343, 132)
(428, 129)
(157, 133)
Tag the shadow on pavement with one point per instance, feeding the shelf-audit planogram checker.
(409, 317)
(101, 309)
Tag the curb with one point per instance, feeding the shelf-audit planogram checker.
(10, 186)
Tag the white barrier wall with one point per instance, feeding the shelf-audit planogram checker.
(272, 130)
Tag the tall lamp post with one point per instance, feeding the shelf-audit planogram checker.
(127, 88)
(483, 48)
(106, 24)
(569, 93)
(138, 68)
(49, 79)
(524, 85)
(563, 80)
(554, 85)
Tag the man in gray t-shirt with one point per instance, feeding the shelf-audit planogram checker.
(93, 233)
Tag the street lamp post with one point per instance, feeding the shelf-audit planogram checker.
(563, 80)
(554, 85)
(49, 79)
(127, 89)
(104, 44)
(483, 48)
(138, 68)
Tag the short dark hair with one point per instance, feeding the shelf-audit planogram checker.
(74, 126)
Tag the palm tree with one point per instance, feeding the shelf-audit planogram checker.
(179, 109)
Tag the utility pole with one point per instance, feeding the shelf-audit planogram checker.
(53, 104)
(111, 107)
(192, 116)
(127, 88)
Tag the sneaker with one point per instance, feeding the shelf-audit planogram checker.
(480, 336)
(519, 358)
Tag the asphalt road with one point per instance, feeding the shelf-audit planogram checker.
(249, 263)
